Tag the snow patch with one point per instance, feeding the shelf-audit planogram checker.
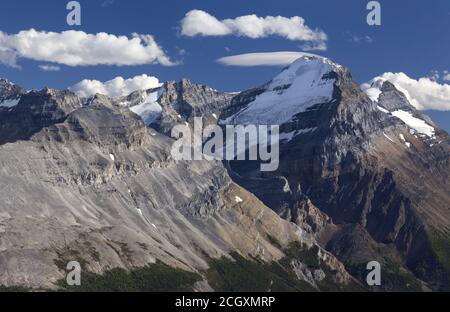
(414, 123)
(373, 93)
(238, 199)
(402, 137)
(384, 110)
(387, 137)
(9, 103)
(149, 110)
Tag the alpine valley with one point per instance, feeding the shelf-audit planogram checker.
(362, 177)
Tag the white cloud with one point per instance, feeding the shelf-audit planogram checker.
(446, 75)
(423, 93)
(434, 75)
(197, 22)
(314, 46)
(77, 48)
(49, 68)
(263, 59)
(437, 75)
(201, 23)
(115, 87)
(362, 39)
(6, 57)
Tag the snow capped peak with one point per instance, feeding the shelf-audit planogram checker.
(5, 85)
(381, 84)
(7, 88)
(9, 94)
(3, 81)
(303, 84)
(307, 69)
(395, 102)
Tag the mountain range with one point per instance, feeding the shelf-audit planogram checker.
(362, 177)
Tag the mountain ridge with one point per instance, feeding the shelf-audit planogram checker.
(346, 172)
(350, 154)
(88, 181)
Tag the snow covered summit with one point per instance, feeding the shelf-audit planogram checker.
(306, 82)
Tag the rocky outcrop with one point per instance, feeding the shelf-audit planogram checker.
(181, 101)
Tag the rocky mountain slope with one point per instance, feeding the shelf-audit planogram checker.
(359, 167)
(361, 178)
(87, 180)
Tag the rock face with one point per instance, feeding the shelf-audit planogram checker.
(360, 179)
(9, 91)
(176, 103)
(33, 111)
(358, 161)
(87, 180)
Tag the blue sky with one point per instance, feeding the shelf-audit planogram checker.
(413, 38)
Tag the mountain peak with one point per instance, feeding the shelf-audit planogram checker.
(308, 81)
(5, 84)
(388, 86)
(9, 94)
(307, 69)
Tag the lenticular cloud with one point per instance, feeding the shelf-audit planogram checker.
(77, 48)
(263, 58)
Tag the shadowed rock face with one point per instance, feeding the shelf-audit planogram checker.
(33, 112)
(9, 90)
(86, 180)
